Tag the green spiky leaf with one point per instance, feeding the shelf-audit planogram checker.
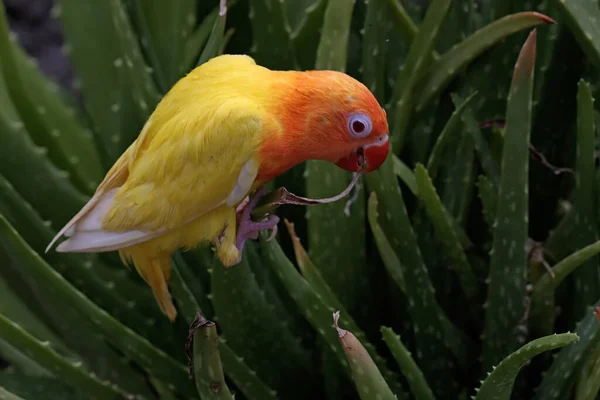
(499, 383)
(505, 307)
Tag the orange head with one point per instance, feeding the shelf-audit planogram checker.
(328, 115)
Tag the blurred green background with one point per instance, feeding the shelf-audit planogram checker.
(467, 267)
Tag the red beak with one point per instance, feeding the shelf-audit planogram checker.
(374, 155)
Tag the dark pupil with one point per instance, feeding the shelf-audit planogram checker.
(358, 126)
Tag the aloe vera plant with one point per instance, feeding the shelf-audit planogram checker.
(449, 273)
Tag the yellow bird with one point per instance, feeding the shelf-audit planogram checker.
(220, 133)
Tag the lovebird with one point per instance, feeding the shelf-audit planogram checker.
(220, 133)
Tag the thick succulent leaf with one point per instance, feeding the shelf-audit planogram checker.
(420, 49)
(305, 22)
(588, 384)
(587, 283)
(198, 39)
(13, 308)
(441, 73)
(313, 276)
(376, 28)
(486, 157)
(44, 355)
(16, 358)
(282, 304)
(464, 18)
(386, 251)
(582, 16)
(405, 174)
(489, 200)
(36, 387)
(137, 348)
(208, 370)
(311, 273)
(558, 380)
(31, 172)
(182, 294)
(444, 226)
(6, 395)
(457, 186)
(561, 239)
(94, 47)
(216, 39)
(23, 217)
(18, 311)
(336, 241)
(297, 12)
(84, 342)
(243, 312)
(110, 288)
(428, 319)
(504, 305)
(367, 378)
(499, 383)
(418, 385)
(165, 28)
(271, 45)
(542, 304)
(47, 117)
(312, 306)
(309, 303)
(332, 51)
(450, 133)
(188, 266)
(145, 93)
(245, 378)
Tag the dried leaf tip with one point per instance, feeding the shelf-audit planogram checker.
(546, 19)
(292, 231)
(299, 251)
(597, 313)
(526, 61)
(198, 322)
(222, 8)
(281, 196)
(341, 332)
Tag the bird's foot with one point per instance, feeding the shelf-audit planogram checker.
(248, 229)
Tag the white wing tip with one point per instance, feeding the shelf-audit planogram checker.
(70, 231)
(100, 241)
(52, 242)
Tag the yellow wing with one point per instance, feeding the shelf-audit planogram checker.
(196, 152)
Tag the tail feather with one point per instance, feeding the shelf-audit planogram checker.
(156, 270)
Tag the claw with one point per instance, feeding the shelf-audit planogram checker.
(248, 229)
(243, 204)
(273, 231)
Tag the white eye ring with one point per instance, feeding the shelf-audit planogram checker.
(359, 125)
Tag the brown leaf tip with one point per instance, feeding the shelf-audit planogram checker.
(336, 317)
(291, 230)
(526, 61)
(545, 19)
(215, 387)
(198, 322)
(597, 313)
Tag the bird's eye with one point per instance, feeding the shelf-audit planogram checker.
(359, 125)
